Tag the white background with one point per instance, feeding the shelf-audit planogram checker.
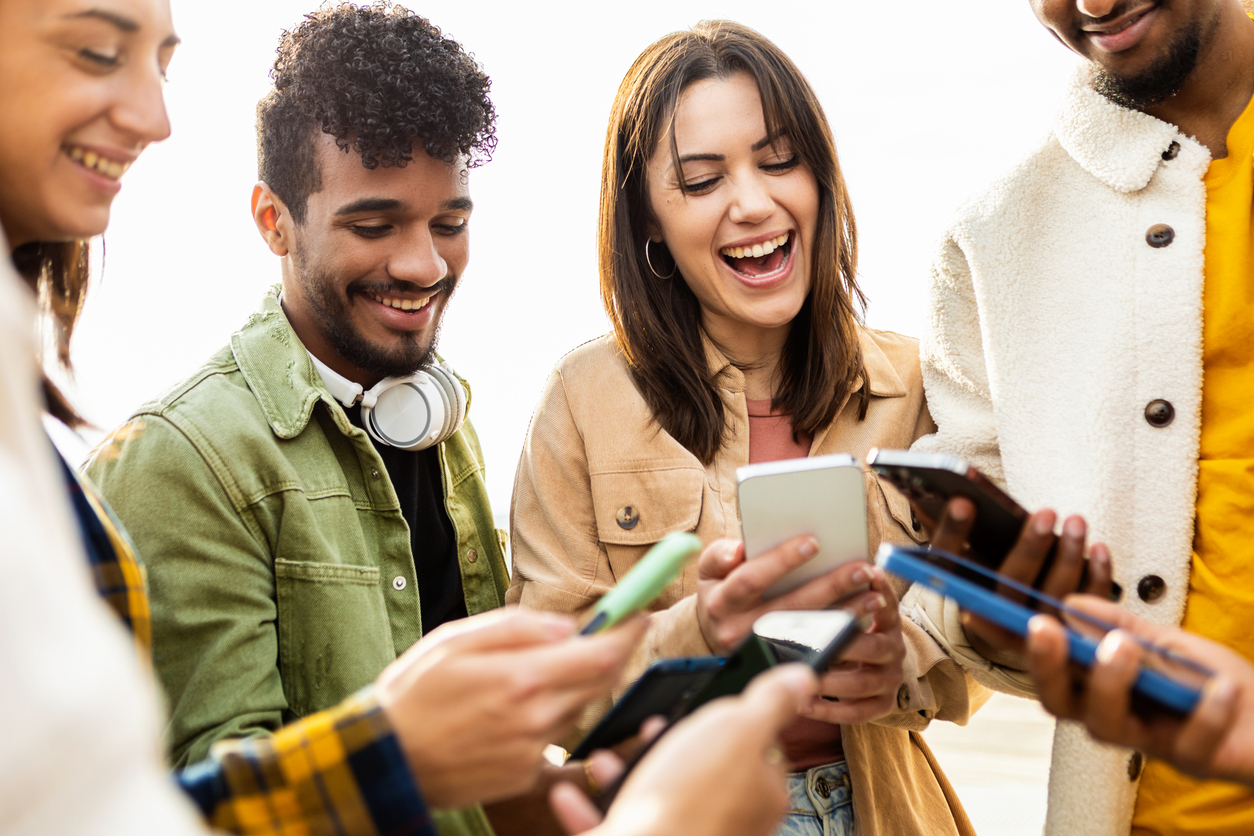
(928, 100)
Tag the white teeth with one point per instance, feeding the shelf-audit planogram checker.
(757, 250)
(402, 304)
(90, 159)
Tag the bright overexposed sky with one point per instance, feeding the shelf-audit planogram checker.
(928, 100)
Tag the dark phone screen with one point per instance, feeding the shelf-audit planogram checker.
(664, 688)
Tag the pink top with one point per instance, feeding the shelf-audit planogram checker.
(807, 743)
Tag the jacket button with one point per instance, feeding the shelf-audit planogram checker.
(472, 555)
(398, 582)
(1160, 235)
(374, 473)
(1160, 413)
(1151, 588)
(903, 697)
(1135, 763)
(627, 517)
(1173, 151)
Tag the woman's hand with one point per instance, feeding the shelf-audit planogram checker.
(1215, 741)
(1024, 564)
(865, 680)
(729, 588)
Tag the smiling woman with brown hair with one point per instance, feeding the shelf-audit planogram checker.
(727, 260)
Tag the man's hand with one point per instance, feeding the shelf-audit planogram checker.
(730, 744)
(1024, 564)
(729, 587)
(475, 703)
(1216, 741)
(865, 681)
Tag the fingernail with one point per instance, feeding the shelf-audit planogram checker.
(861, 576)
(958, 511)
(809, 547)
(1223, 691)
(1043, 523)
(875, 602)
(1074, 527)
(1109, 646)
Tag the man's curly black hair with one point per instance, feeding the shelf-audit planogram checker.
(379, 79)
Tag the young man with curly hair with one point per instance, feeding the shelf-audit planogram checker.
(295, 544)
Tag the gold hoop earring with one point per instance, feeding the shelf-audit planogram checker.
(649, 262)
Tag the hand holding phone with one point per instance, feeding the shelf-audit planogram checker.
(814, 637)
(994, 530)
(1167, 682)
(1215, 741)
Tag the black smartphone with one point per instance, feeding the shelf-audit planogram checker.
(664, 688)
(930, 480)
(813, 637)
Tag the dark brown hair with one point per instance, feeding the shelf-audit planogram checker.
(58, 273)
(657, 324)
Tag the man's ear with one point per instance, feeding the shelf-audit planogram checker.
(272, 219)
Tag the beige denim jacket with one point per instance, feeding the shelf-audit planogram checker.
(594, 449)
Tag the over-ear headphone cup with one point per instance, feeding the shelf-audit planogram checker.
(454, 397)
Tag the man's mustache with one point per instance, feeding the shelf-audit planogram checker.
(399, 288)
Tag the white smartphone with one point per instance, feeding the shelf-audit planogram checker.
(824, 496)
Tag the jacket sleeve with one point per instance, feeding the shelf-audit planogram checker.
(956, 380)
(335, 771)
(215, 642)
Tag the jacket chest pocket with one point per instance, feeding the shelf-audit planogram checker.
(635, 509)
(334, 636)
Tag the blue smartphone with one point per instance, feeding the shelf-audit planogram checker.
(1167, 681)
(664, 688)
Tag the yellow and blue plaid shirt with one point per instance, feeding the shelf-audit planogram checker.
(340, 771)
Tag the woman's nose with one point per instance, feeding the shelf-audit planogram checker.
(140, 110)
(752, 202)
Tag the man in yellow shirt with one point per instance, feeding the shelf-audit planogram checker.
(1092, 346)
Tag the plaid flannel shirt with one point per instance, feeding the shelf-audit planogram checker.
(339, 771)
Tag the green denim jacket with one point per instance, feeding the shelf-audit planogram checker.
(280, 567)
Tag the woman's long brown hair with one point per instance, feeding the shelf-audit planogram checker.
(58, 273)
(657, 323)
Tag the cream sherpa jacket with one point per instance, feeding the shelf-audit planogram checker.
(1057, 316)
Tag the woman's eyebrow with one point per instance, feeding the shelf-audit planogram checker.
(121, 22)
(718, 158)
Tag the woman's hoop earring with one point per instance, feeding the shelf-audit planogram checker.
(649, 262)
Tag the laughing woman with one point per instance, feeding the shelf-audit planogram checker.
(727, 261)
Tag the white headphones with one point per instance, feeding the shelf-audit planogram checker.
(412, 412)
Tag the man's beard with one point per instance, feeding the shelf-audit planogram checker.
(1162, 79)
(330, 306)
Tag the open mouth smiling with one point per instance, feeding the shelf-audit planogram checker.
(405, 305)
(760, 260)
(105, 167)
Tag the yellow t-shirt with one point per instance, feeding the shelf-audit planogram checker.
(1220, 605)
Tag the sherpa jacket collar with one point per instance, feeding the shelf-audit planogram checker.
(1120, 147)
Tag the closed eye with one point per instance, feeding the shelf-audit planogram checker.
(101, 60)
(377, 231)
(781, 167)
(701, 185)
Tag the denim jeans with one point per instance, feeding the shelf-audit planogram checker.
(820, 802)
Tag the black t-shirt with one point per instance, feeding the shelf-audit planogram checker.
(415, 476)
